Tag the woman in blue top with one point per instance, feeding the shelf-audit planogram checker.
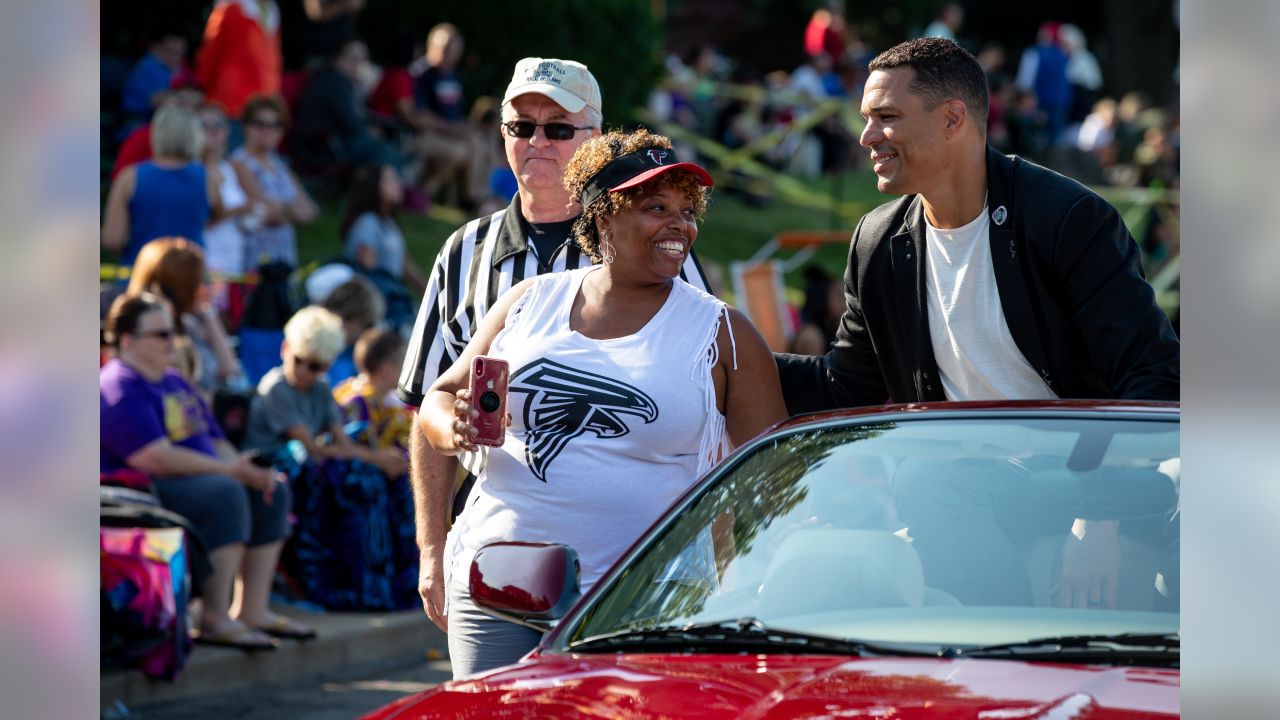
(172, 194)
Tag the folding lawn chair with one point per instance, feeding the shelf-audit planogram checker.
(759, 287)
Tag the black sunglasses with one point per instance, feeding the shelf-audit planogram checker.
(162, 334)
(267, 125)
(315, 367)
(524, 129)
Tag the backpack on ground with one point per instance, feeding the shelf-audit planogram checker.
(145, 563)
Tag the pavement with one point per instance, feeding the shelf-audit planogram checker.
(341, 695)
(349, 648)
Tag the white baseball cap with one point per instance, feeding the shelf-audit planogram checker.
(570, 84)
(325, 279)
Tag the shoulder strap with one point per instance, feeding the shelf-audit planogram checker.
(130, 514)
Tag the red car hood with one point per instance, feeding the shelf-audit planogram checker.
(791, 686)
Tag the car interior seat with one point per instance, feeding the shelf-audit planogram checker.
(829, 569)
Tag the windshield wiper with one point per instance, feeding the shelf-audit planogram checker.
(1160, 649)
(742, 635)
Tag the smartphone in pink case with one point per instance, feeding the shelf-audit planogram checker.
(489, 397)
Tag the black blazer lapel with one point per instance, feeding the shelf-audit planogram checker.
(907, 251)
(1008, 259)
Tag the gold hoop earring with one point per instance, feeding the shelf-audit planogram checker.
(606, 250)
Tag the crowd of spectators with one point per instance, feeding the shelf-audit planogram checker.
(291, 133)
(216, 154)
(1050, 104)
(167, 358)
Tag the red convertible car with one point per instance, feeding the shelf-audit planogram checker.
(961, 560)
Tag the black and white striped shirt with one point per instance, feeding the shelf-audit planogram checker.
(480, 261)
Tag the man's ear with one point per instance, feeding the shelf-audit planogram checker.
(955, 116)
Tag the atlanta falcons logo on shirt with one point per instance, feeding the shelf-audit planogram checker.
(564, 403)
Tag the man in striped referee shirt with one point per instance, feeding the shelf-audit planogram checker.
(550, 108)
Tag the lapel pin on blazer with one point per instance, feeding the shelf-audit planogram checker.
(1000, 215)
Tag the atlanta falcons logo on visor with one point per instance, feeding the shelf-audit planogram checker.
(657, 156)
(564, 403)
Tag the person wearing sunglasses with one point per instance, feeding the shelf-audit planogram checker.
(154, 422)
(550, 108)
(294, 401)
(277, 199)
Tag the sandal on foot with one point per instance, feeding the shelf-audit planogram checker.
(283, 627)
(242, 637)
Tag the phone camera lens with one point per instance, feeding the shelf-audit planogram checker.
(490, 401)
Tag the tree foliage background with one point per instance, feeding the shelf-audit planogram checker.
(623, 41)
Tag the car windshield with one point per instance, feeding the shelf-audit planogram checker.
(956, 532)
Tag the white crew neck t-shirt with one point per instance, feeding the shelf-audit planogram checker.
(976, 355)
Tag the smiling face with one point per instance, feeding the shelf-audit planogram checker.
(539, 163)
(905, 137)
(653, 237)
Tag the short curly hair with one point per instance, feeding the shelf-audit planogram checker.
(597, 152)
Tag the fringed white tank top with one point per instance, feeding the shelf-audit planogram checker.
(604, 434)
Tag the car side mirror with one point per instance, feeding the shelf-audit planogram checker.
(533, 584)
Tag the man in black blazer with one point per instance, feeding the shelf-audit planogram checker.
(991, 278)
(1061, 265)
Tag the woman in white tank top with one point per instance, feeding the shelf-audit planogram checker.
(223, 239)
(625, 385)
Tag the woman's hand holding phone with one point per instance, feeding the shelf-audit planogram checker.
(464, 431)
(477, 412)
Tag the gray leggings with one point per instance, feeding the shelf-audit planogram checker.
(479, 642)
